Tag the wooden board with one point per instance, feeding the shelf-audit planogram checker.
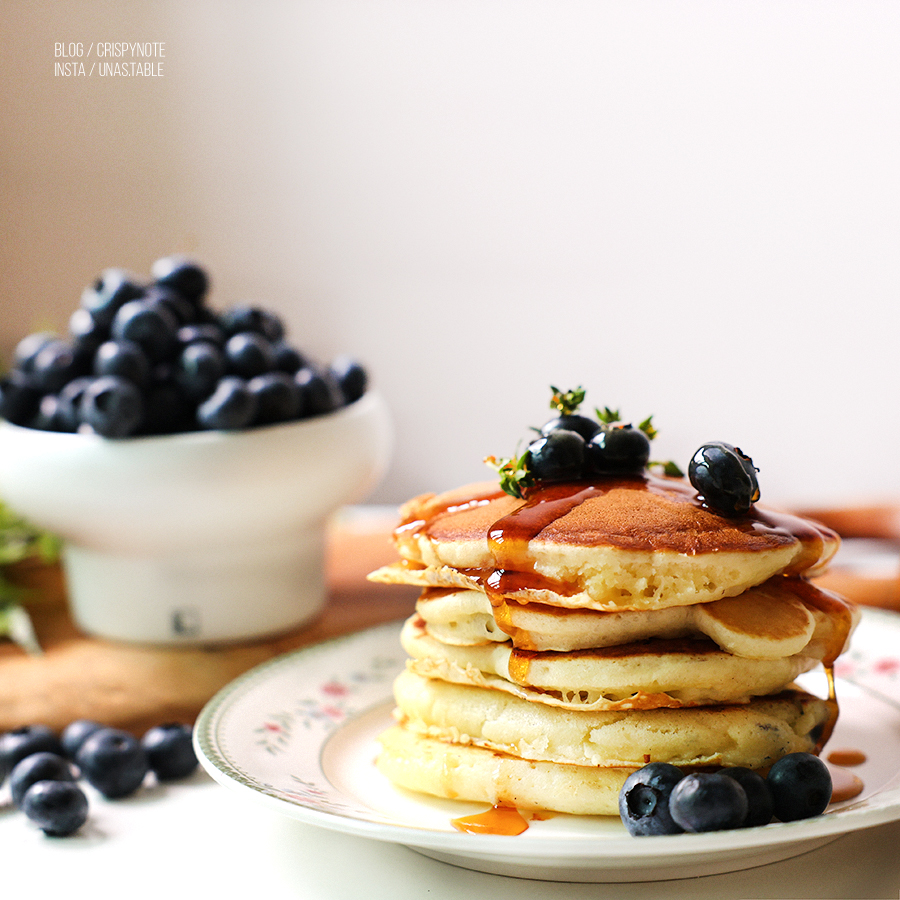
(134, 687)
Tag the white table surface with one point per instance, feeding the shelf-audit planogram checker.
(201, 839)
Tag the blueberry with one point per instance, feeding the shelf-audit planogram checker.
(53, 366)
(112, 290)
(725, 477)
(583, 425)
(644, 799)
(319, 389)
(705, 801)
(278, 398)
(248, 354)
(111, 406)
(167, 408)
(42, 766)
(351, 377)
(206, 331)
(29, 347)
(54, 414)
(75, 734)
(58, 808)
(180, 308)
(759, 798)
(86, 333)
(149, 324)
(113, 761)
(618, 449)
(198, 369)
(801, 786)
(557, 457)
(19, 398)
(286, 358)
(170, 751)
(182, 275)
(124, 358)
(15, 745)
(253, 319)
(230, 406)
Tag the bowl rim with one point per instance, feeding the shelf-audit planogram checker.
(371, 398)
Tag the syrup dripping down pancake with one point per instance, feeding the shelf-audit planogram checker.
(632, 543)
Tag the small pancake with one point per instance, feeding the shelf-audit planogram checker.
(752, 735)
(621, 543)
(459, 772)
(642, 675)
(778, 618)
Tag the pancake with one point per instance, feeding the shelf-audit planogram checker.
(642, 542)
(459, 772)
(641, 675)
(563, 640)
(779, 618)
(482, 773)
(753, 734)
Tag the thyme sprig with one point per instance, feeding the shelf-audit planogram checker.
(515, 473)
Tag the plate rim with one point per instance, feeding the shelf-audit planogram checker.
(601, 851)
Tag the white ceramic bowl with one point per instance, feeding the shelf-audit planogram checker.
(196, 538)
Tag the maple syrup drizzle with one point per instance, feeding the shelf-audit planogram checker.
(845, 785)
(499, 819)
(847, 756)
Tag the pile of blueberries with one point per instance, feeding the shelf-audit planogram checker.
(44, 767)
(152, 357)
(661, 799)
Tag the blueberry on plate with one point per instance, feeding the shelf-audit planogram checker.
(644, 800)
(42, 766)
(75, 734)
(559, 456)
(760, 807)
(170, 750)
(706, 801)
(15, 745)
(801, 786)
(725, 477)
(58, 808)
(113, 761)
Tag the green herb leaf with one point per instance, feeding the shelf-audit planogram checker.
(668, 468)
(515, 477)
(566, 402)
(608, 416)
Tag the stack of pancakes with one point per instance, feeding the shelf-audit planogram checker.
(562, 641)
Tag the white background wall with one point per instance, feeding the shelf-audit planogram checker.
(691, 208)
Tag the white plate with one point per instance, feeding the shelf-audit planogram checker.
(299, 733)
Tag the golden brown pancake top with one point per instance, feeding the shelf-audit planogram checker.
(643, 513)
